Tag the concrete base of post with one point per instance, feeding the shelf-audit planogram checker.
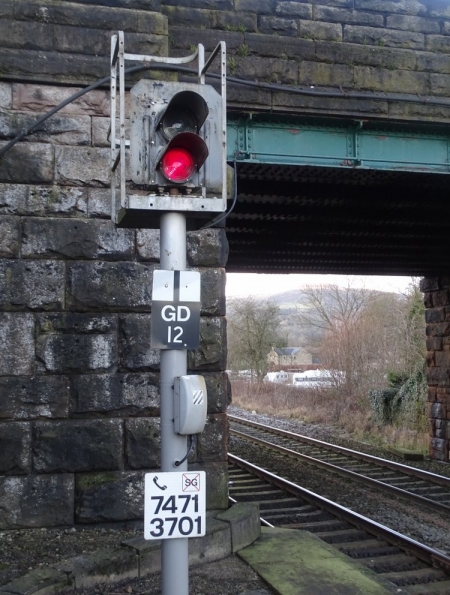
(226, 532)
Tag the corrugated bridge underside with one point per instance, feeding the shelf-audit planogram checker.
(294, 219)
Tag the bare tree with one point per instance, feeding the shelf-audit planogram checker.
(330, 307)
(364, 335)
(253, 328)
(334, 312)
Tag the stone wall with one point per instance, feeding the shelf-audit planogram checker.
(79, 400)
(372, 47)
(437, 302)
(79, 382)
(58, 40)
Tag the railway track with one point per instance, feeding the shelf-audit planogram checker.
(427, 489)
(414, 568)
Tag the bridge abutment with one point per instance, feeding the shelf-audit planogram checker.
(437, 303)
(79, 380)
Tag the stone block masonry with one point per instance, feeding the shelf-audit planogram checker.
(79, 381)
(370, 46)
(437, 302)
(79, 396)
(66, 41)
(343, 45)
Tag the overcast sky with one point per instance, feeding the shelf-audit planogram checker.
(245, 284)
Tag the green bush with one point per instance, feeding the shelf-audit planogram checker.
(396, 379)
(411, 400)
(382, 403)
(404, 404)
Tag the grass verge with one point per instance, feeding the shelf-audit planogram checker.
(328, 407)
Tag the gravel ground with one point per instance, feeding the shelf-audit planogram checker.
(24, 550)
(230, 576)
(27, 549)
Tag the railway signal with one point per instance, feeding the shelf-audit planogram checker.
(173, 157)
(177, 146)
(172, 167)
(176, 150)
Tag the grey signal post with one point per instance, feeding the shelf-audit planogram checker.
(174, 552)
(206, 199)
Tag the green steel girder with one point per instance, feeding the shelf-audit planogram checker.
(350, 144)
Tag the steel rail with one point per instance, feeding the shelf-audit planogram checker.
(374, 483)
(419, 550)
(263, 521)
(419, 473)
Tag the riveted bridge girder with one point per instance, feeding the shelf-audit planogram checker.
(338, 143)
(339, 196)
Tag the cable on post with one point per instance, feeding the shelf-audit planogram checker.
(191, 444)
(223, 216)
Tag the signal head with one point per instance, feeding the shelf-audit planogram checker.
(183, 156)
(186, 112)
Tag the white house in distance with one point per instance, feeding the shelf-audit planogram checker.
(289, 358)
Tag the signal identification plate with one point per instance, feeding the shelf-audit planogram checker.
(175, 505)
(175, 310)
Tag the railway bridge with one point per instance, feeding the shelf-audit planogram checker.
(338, 126)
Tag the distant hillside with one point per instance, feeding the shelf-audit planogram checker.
(287, 300)
(290, 302)
(293, 297)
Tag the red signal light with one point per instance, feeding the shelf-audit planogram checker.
(178, 164)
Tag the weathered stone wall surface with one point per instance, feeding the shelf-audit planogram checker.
(369, 46)
(372, 47)
(79, 382)
(58, 40)
(437, 302)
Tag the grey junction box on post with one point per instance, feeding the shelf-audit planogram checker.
(191, 404)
